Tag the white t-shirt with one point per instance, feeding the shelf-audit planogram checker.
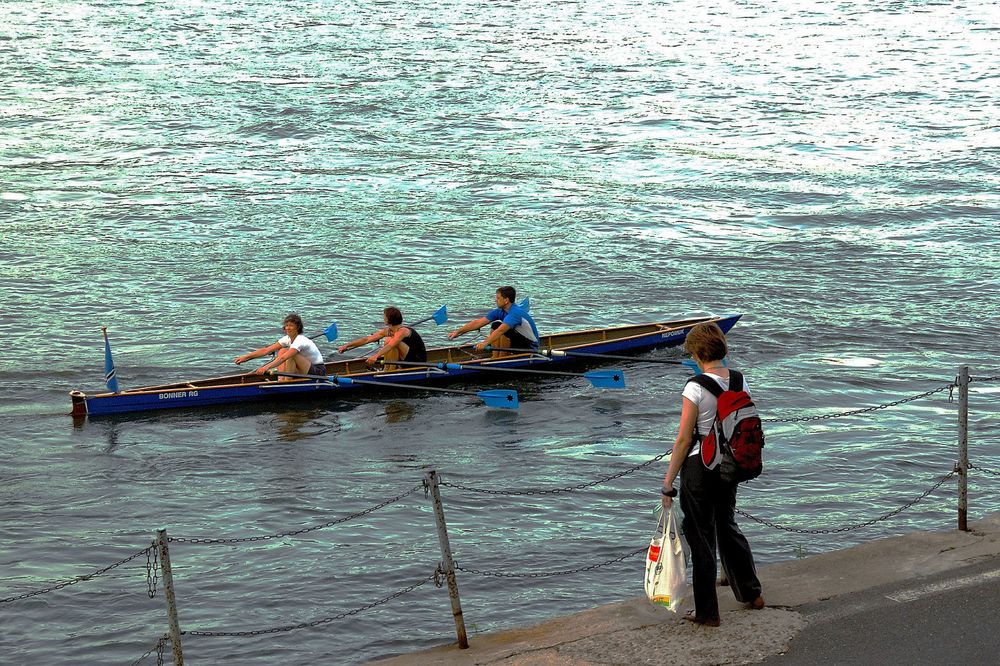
(707, 404)
(304, 346)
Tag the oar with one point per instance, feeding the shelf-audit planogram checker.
(440, 316)
(551, 353)
(330, 332)
(499, 398)
(610, 379)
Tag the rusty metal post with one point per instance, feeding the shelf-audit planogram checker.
(963, 448)
(168, 592)
(447, 563)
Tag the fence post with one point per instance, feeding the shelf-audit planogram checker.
(168, 592)
(431, 479)
(963, 448)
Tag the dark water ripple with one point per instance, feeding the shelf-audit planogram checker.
(187, 174)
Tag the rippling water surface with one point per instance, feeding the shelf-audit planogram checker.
(186, 173)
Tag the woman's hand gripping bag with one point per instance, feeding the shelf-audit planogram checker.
(666, 567)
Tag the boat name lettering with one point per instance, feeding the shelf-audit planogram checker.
(671, 334)
(179, 394)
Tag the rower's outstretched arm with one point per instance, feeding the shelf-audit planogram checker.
(374, 337)
(473, 325)
(257, 353)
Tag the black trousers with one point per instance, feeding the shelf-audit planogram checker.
(709, 507)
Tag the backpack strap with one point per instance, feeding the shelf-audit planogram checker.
(712, 387)
(709, 385)
(735, 380)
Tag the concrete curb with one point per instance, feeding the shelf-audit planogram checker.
(636, 632)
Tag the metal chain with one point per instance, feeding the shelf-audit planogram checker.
(78, 579)
(984, 379)
(849, 528)
(503, 574)
(983, 469)
(803, 419)
(152, 569)
(314, 623)
(553, 491)
(158, 648)
(440, 576)
(345, 519)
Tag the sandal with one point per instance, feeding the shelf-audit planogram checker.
(708, 622)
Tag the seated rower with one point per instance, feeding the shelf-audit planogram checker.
(295, 352)
(403, 343)
(512, 326)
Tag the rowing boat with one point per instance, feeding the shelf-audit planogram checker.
(242, 388)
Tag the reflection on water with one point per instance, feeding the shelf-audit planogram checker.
(111, 432)
(292, 426)
(398, 411)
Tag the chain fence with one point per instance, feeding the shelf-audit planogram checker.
(992, 378)
(157, 648)
(865, 410)
(339, 521)
(315, 623)
(550, 574)
(82, 578)
(983, 469)
(554, 491)
(849, 528)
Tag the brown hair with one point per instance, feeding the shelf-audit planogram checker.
(508, 293)
(295, 319)
(707, 342)
(393, 315)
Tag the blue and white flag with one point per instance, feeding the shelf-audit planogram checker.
(109, 365)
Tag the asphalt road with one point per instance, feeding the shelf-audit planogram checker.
(952, 618)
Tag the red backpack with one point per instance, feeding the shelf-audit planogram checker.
(736, 443)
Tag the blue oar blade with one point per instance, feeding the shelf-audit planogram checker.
(440, 316)
(500, 399)
(609, 379)
(331, 332)
(525, 303)
(694, 366)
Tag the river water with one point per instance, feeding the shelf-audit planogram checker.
(186, 173)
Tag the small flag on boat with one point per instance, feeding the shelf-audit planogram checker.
(109, 365)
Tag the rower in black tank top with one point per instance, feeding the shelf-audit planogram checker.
(417, 351)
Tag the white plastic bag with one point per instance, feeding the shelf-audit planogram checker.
(666, 567)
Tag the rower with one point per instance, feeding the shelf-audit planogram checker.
(512, 326)
(295, 353)
(403, 343)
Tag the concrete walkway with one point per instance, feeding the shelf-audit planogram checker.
(636, 632)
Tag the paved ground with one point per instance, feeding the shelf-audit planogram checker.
(926, 597)
(950, 618)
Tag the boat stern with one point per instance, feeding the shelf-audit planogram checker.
(79, 399)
